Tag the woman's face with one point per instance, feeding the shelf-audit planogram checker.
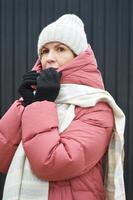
(55, 54)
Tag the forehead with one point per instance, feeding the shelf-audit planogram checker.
(53, 44)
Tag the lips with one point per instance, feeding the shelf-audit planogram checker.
(52, 66)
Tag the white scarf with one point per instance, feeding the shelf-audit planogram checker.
(22, 184)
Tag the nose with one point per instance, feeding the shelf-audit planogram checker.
(50, 57)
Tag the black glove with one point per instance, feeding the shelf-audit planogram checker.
(48, 85)
(25, 89)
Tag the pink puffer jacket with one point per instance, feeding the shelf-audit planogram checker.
(71, 161)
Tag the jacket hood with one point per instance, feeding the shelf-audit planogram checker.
(81, 70)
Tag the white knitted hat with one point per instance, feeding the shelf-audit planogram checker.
(69, 30)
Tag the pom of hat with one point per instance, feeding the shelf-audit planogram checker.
(69, 30)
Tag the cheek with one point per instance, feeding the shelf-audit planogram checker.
(43, 62)
(67, 59)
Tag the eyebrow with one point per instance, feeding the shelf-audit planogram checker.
(56, 45)
(59, 45)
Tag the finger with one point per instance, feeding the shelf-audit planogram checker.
(45, 75)
(29, 82)
(55, 74)
(50, 75)
(30, 73)
(30, 76)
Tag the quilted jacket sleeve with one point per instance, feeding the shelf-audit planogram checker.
(58, 157)
(10, 134)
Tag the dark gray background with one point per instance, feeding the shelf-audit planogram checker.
(109, 28)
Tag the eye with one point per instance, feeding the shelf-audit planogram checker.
(44, 51)
(60, 49)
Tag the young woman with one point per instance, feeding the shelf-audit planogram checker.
(54, 139)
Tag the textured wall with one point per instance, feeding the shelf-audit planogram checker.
(109, 27)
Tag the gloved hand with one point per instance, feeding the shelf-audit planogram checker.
(25, 89)
(48, 85)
